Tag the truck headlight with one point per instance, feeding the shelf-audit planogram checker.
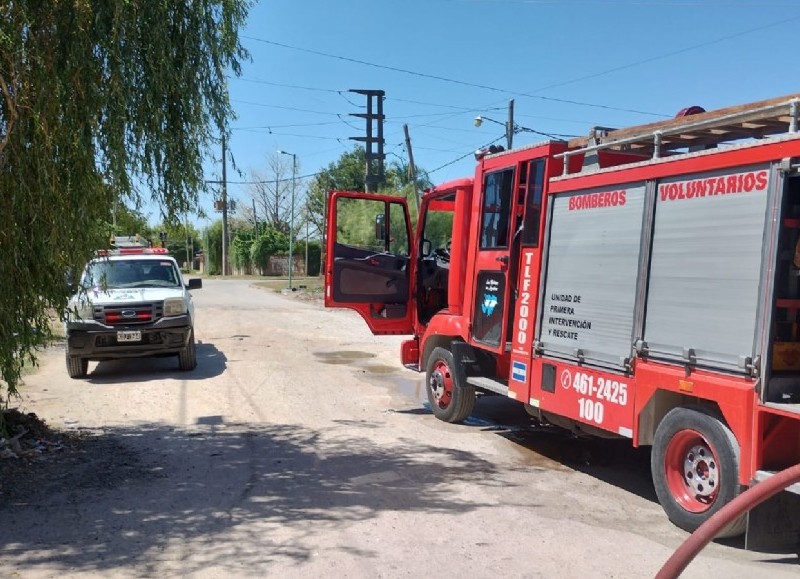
(174, 307)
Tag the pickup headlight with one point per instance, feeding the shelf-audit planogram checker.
(174, 307)
(80, 310)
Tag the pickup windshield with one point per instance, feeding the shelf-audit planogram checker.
(116, 274)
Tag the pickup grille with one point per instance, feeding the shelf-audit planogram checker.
(129, 314)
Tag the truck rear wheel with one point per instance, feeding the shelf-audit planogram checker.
(450, 402)
(77, 366)
(187, 358)
(695, 468)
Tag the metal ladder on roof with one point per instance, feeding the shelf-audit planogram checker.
(707, 129)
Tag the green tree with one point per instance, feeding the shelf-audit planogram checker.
(314, 252)
(181, 239)
(347, 174)
(212, 242)
(95, 97)
(270, 241)
(127, 221)
(240, 253)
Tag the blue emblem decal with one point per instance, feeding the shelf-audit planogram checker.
(489, 303)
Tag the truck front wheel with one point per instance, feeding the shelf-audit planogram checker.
(77, 366)
(187, 358)
(695, 468)
(450, 402)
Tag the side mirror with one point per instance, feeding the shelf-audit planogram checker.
(427, 247)
(380, 229)
(194, 283)
(70, 281)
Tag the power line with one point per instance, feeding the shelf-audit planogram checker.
(349, 124)
(348, 101)
(266, 181)
(454, 107)
(672, 53)
(320, 137)
(563, 83)
(464, 156)
(283, 107)
(270, 127)
(259, 81)
(450, 80)
(342, 93)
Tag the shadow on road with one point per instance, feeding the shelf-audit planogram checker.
(613, 461)
(211, 362)
(246, 496)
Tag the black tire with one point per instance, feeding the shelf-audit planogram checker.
(695, 468)
(450, 402)
(77, 367)
(187, 358)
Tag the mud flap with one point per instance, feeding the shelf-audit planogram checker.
(467, 362)
(774, 525)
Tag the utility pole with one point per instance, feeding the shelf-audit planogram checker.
(510, 124)
(412, 169)
(255, 218)
(372, 178)
(224, 210)
(276, 214)
(186, 236)
(306, 233)
(291, 215)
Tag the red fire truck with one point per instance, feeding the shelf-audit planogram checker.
(638, 283)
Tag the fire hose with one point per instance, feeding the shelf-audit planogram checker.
(743, 503)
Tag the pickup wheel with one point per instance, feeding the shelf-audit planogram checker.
(77, 366)
(450, 402)
(695, 468)
(187, 358)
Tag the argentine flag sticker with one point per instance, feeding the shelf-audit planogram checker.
(519, 372)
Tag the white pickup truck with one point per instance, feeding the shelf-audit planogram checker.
(131, 302)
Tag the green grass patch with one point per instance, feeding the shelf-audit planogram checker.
(307, 284)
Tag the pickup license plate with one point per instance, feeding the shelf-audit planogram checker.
(129, 336)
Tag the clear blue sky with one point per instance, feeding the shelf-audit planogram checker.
(568, 65)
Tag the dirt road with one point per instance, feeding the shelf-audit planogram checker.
(301, 448)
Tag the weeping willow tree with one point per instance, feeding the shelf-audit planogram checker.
(100, 101)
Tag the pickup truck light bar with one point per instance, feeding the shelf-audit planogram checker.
(133, 251)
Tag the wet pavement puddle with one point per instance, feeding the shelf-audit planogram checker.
(343, 356)
(355, 357)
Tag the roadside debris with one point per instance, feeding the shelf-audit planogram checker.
(30, 437)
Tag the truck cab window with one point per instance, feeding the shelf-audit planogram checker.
(371, 254)
(533, 203)
(434, 254)
(373, 226)
(398, 238)
(496, 210)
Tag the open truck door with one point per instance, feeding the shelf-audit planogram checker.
(494, 262)
(368, 261)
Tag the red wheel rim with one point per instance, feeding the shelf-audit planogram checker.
(441, 384)
(692, 471)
